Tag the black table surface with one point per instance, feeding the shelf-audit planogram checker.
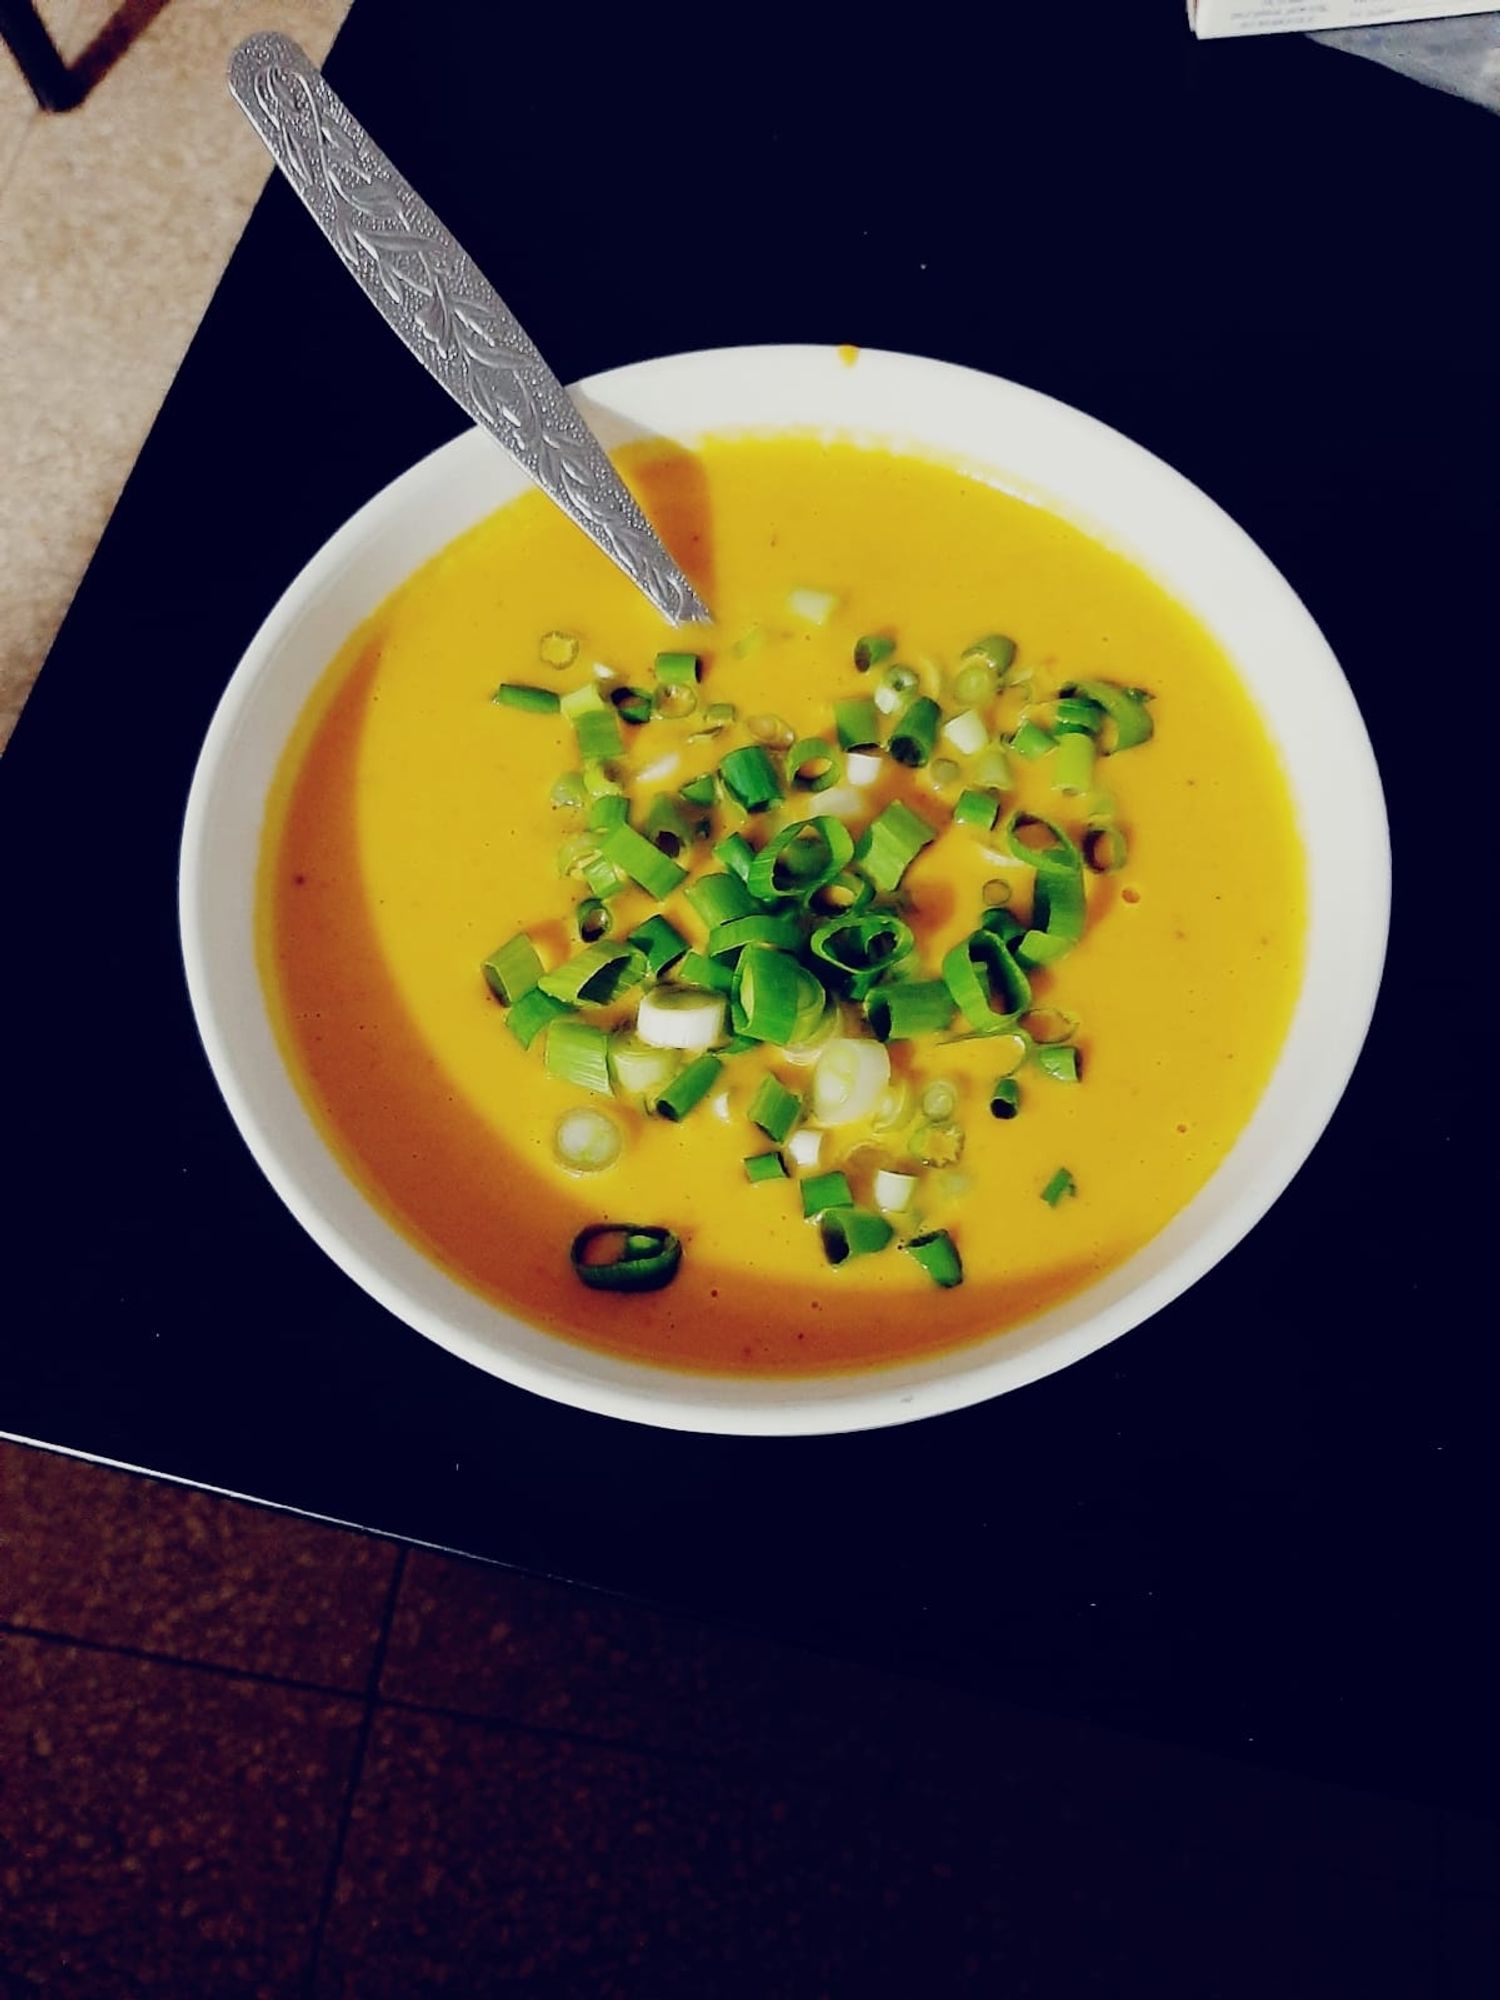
(1263, 1521)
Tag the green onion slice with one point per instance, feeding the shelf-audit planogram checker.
(820, 1191)
(851, 1078)
(844, 895)
(661, 944)
(977, 808)
(768, 992)
(688, 1088)
(668, 826)
(812, 764)
(736, 854)
(749, 777)
(1061, 1183)
(764, 1167)
(596, 975)
(625, 1257)
(857, 722)
(1058, 905)
(1031, 741)
(533, 1012)
(719, 899)
(516, 694)
(677, 669)
(595, 724)
(512, 970)
(1105, 849)
(1073, 763)
(578, 1053)
(632, 704)
(937, 1253)
(909, 1007)
(986, 982)
(801, 858)
(890, 844)
(608, 812)
(872, 650)
(593, 920)
(995, 651)
(1059, 1060)
(859, 950)
(696, 968)
(1072, 713)
(1125, 708)
(915, 736)
(852, 1232)
(557, 649)
(760, 927)
(774, 1108)
(639, 1070)
(701, 791)
(643, 861)
(586, 1142)
(1005, 1098)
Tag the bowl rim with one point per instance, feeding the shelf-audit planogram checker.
(952, 1379)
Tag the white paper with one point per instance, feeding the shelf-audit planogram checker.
(1212, 18)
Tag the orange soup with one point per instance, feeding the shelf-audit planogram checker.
(962, 998)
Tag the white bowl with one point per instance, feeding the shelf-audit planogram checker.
(1024, 442)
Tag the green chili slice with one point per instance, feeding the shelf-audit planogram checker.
(625, 1257)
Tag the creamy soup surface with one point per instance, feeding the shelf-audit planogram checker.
(411, 832)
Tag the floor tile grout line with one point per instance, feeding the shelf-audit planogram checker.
(149, 1656)
(356, 1775)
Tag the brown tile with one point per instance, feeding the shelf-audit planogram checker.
(129, 1561)
(162, 1830)
(483, 1860)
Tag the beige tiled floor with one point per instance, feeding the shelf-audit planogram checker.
(115, 222)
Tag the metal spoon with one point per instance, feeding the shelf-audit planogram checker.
(430, 291)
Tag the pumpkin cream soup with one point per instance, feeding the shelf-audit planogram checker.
(847, 981)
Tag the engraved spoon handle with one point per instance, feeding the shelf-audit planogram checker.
(430, 291)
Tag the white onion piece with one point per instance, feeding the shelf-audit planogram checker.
(889, 699)
(840, 802)
(893, 1192)
(967, 731)
(805, 1146)
(587, 1141)
(863, 767)
(816, 606)
(719, 1104)
(680, 1019)
(849, 1080)
(653, 774)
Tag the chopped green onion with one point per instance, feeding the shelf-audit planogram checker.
(859, 950)
(771, 730)
(579, 1054)
(801, 858)
(601, 778)
(749, 777)
(845, 896)
(991, 768)
(939, 1100)
(661, 944)
(976, 683)
(1073, 763)
(533, 1012)
(674, 702)
(657, 873)
(586, 1142)
(816, 606)
(557, 649)
(603, 878)
(1001, 924)
(1125, 708)
(596, 975)
(897, 684)
(893, 1191)
(995, 651)
(633, 704)
(1061, 1183)
(764, 1167)
(569, 791)
(852, 1232)
(719, 899)
(1031, 741)
(857, 721)
(688, 1088)
(937, 1145)
(768, 990)
(701, 791)
(625, 1257)
(909, 1007)
(611, 811)
(595, 724)
(736, 854)
(760, 927)
(890, 844)
(1072, 713)
(937, 1253)
(988, 985)
(677, 669)
(943, 772)
(820, 1191)
(774, 1108)
(1005, 1098)
(638, 1069)
(1058, 906)
(967, 731)
(812, 765)
(696, 968)
(850, 1079)
(593, 920)
(516, 694)
(1105, 849)
(512, 970)
(915, 735)
(975, 808)
(872, 650)
(668, 827)
(1059, 1060)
